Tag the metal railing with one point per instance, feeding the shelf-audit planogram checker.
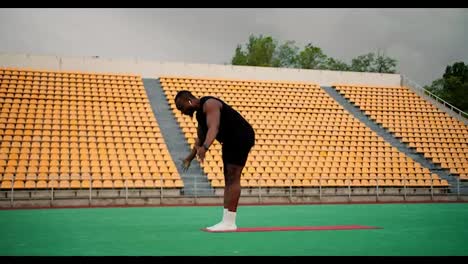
(405, 81)
(260, 192)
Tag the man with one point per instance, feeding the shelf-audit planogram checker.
(217, 120)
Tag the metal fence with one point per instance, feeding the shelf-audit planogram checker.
(291, 192)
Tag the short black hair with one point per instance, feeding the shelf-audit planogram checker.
(184, 94)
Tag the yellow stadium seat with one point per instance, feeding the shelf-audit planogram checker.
(139, 184)
(75, 184)
(6, 184)
(53, 184)
(64, 184)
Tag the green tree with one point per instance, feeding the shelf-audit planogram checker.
(437, 87)
(453, 86)
(312, 58)
(384, 64)
(265, 51)
(260, 51)
(336, 65)
(286, 55)
(239, 57)
(362, 63)
(372, 62)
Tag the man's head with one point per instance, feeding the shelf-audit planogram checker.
(186, 102)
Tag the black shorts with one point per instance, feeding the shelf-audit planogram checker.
(236, 153)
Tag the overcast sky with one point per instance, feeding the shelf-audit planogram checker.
(424, 41)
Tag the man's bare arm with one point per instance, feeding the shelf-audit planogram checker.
(213, 115)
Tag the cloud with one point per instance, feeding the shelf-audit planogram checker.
(424, 41)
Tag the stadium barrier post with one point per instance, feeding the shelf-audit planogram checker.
(377, 188)
(432, 189)
(260, 189)
(12, 199)
(161, 189)
(90, 191)
(349, 191)
(126, 193)
(195, 188)
(404, 188)
(320, 188)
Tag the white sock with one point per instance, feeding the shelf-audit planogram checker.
(230, 218)
(224, 213)
(228, 222)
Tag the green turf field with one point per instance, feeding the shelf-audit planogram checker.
(408, 229)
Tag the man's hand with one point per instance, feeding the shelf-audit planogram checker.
(201, 151)
(185, 164)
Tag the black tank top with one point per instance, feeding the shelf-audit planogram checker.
(233, 128)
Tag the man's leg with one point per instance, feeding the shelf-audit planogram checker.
(232, 174)
(232, 188)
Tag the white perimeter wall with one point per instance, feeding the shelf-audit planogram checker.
(154, 69)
